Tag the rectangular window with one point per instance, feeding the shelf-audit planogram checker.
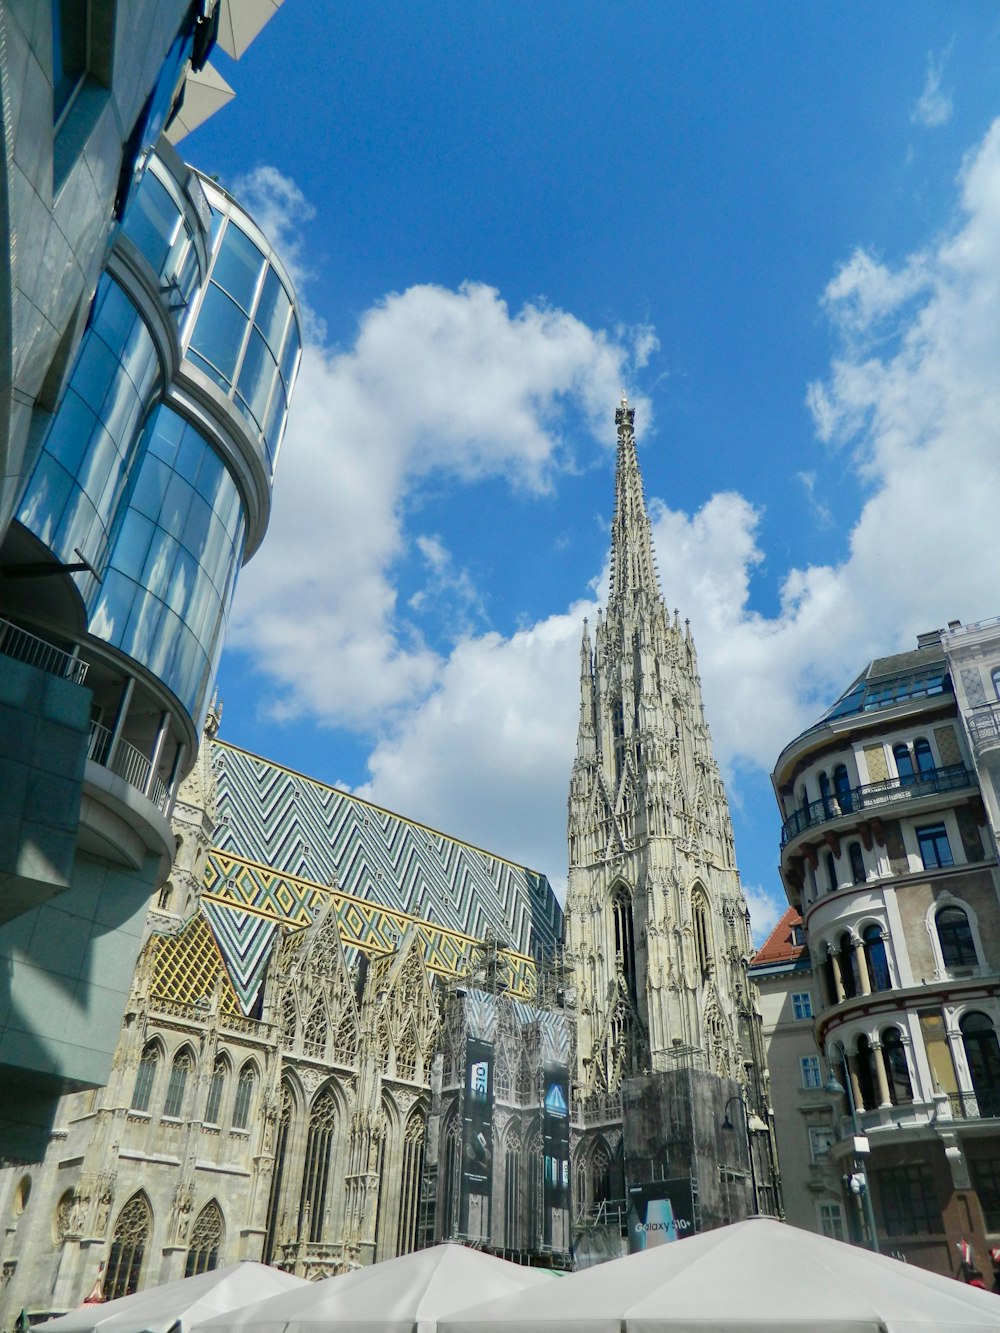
(909, 1201)
(820, 1141)
(831, 1221)
(935, 850)
(802, 1005)
(986, 1178)
(811, 1076)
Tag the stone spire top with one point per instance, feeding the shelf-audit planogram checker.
(633, 569)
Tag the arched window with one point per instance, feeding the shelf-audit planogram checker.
(842, 786)
(958, 948)
(206, 1241)
(923, 756)
(511, 1193)
(452, 1179)
(289, 1017)
(278, 1174)
(848, 967)
(316, 1172)
(406, 1056)
(904, 764)
(314, 1037)
(865, 1065)
(345, 1044)
(408, 1231)
(144, 1077)
(215, 1090)
(183, 1063)
(621, 904)
(983, 1054)
(896, 1069)
(244, 1096)
(501, 1080)
(825, 794)
(600, 1167)
(831, 872)
(128, 1247)
(535, 1194)
(875, 958)
(858, 872)
(618, 734)
(702, 939)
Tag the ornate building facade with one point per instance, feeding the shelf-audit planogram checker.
(657, 928)
(349, 1035)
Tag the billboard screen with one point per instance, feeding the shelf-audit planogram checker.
(659, 1211)
(555, 1149)
(477, 1140)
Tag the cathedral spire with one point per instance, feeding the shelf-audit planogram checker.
(633, 569)
(586, 740)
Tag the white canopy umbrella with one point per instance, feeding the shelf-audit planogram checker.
(180, 1303)
(754, 1275)
(405, 1295)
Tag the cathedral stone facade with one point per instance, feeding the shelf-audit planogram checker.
(350, 1035)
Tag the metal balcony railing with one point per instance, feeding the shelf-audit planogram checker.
(982, 1105)
(984, 727)
(872, 795)
(128, 763)
(25, 647)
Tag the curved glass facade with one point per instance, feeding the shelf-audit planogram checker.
(245, 335)
(78, 482)
(166, 595)
(158, 223)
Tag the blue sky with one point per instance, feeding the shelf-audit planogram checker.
(776, 225)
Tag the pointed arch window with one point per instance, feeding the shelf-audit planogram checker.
(314, 1038)
(216, 1089)
(535, 1194)
(316, 1171)
(407, 1053)
(206, 1241)
(144, 1077)
(702, 945)
(408, 1230)
(618, 735)
(278, 1174)
(244, 1096)
(448, 1220)
(128, 1248)
(600, 1170)
(511, 1193)
(621, 906)
(173, 1104)
(345, 1044)
(289, 1017)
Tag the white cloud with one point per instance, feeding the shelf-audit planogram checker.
(437, 382)
(481, 742)
(934, 106)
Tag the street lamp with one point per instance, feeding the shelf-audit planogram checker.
(857, 1182)
(752, 1124)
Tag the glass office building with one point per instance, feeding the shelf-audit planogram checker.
(150, 489)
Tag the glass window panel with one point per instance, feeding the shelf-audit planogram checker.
(209, 370)
(114, 603)
(95, 370)
(79, 525)
(183, 578)
(151, 487)
(238, 265)
(166, 436)
(290, 354)
(213, 474)
(142, 633)
(176, 504)
(275, 420)
(45, 499)
(218, 333)
(132, 545)
(272, 311)
(159, 562)
(184, 268)
(114, 314)
(152, 221)
(121, 408)
(256, 376)
(199, 520)
(189, 455)
(71, 429)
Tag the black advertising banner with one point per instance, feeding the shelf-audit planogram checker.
(477, 1140)
(555, 1147)
(659, 1211)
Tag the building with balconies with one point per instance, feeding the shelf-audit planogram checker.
(150, 489)
(888, 853)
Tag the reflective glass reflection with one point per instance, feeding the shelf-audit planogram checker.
(237, 266)
(272, 311)
(219, 331)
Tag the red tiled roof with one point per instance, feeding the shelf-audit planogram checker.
(779, 947)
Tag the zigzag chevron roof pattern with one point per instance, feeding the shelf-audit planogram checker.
(273, 817)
